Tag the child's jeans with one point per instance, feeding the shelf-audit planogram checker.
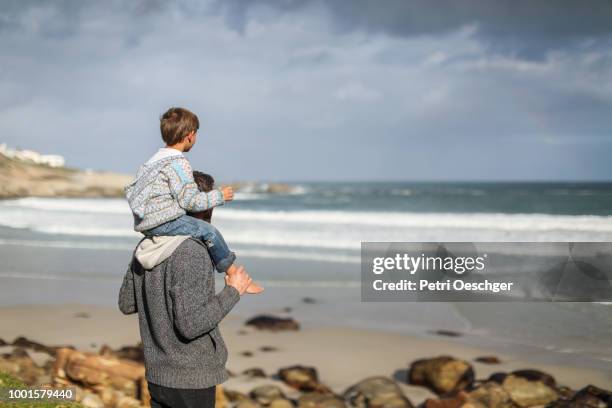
(219, 252)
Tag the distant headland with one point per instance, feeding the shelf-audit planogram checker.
(26, 173)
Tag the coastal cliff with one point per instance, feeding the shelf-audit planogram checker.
(21, 178)
(25, 178)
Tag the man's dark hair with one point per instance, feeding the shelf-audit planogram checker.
(205, 183)
(176, 123)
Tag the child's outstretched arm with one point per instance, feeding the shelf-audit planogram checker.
(186, 192)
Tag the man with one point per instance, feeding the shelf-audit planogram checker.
(170, 284)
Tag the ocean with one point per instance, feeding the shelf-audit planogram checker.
(307, 244)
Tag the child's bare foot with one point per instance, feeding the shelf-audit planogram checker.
(254, 288)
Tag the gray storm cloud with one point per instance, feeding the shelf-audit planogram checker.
(317, 90)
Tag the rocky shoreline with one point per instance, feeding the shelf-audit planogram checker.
(114, 378)
(19, 178)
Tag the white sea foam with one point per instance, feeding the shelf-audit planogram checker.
(339, 230)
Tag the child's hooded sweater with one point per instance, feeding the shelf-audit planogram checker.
(164, 190)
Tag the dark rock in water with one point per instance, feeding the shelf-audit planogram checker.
(3, 343)
(536, 375)
(488, 360)
(309, 300)
(442, 375)
(267, 349)
(265, 394)
(26, 343)
(375, 392)
(287, 310)
(591, 397)
(318, 400)
(447, 333)
(254, 372)
(266, 322)
(246, 353)
(303, 378)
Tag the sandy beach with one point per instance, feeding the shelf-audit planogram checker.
(342, 356)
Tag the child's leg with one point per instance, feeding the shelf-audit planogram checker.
(218, 250)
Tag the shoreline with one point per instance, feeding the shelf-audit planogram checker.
(342, 355)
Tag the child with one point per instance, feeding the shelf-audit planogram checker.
(164, 190)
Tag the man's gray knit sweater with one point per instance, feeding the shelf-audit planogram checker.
(178, 313)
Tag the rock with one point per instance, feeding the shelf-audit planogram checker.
(302, 378)
(235, 396)
(447, 333)
(91, 400)
(266, 322)
(376, 392)
(318, 400)
(134, 353)
(3, 343)
(246, 353)
(29, 344)
(536, 375)
(490, 395)
(94, 370)
(248, 403)
(590, 396)
(442, 375)
(254, 372)
(264, 394)
(220, 399)
(20, 364)
(488, 360)
(267, 349)
(281, 403)
(308, 300)
(527, 393)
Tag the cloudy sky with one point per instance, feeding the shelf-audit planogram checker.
(317, 90)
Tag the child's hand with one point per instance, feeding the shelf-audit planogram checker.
(228, 193)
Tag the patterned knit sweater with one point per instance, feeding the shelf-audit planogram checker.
(164, 190)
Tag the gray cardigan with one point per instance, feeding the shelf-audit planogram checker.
(178, 314)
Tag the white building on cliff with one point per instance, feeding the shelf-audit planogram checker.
(51, 160)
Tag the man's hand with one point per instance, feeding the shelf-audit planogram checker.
(239, 279)
(228, 193)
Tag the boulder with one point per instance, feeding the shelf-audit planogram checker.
(302, 378)
(443, 375)
(272, 323)
(265, 394)
(376, 392)
(281, 403)
(247, 403)
(536, 375)
(254, 372)
(526, 393)
(588, 397)
(235, 396)
(134, 353)
(94, 370)
(19, 364)
(318, 400)
(29, 344)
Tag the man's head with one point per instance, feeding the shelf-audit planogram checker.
(205, 183)
(178, 128)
